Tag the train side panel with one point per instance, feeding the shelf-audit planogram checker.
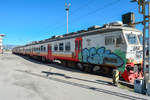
(64, 49)
(106, 49)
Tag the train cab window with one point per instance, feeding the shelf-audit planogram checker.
(61, 46)
(109, 40)
(132, 38)
(56, 47)
(67, 46)
(140, 37)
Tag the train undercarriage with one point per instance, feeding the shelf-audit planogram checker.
(130, 74)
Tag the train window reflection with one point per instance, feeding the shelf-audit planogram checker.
(61, 46)
(109, 40)
(67, 46)
(132, 39)
(119, 40)
(140, 39)
(55, 47)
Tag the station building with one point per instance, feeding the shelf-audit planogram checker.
(1, 43)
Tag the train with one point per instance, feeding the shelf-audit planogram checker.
(98, 49)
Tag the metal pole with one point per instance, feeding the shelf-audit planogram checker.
(67, 10)
(144, 32)
(149, 37)
(67, 20)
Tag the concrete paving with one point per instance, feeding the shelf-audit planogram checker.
(24, 79)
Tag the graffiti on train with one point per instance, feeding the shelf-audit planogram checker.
(101, 56)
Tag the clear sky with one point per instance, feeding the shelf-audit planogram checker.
(23, 21)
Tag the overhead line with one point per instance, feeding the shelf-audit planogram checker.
(97, 10)
(81, 7)
(88, 14)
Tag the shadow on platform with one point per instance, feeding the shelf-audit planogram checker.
(123, 95)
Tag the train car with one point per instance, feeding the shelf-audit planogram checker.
(97, 50)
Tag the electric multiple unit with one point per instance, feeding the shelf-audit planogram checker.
(97, 50)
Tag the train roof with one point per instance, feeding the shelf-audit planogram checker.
(90, 31)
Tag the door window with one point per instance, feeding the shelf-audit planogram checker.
(76, 43)
(80, 44)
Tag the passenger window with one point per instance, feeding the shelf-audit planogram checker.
(67, 46)
(61, 46)
(56, 47)
(41, 48)
(109, 40)
(44, 49)
(119, 40)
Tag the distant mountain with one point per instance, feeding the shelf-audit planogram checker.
(8, 46)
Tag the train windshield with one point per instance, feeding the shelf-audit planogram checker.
(140, 39)
(132, 38)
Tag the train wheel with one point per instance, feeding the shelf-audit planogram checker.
(80, 66)
(87, 68)
(71, 64)
(43, 59)
(64, 62)
(106, 71)
(96, 69)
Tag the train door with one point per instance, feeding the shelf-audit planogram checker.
(78, 46)
(49, 51)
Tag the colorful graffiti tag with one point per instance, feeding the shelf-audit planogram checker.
(123, 56)
(101, 56)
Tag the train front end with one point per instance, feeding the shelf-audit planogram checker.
(134, 55)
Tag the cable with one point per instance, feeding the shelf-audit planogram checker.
(75, 11)
(97, 10)
(90, 13)
(81, 7)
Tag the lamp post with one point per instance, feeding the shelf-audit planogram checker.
(67, 10)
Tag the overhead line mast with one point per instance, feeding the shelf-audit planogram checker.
(67, 10)
(144, 9)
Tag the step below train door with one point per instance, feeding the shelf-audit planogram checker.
(50, 52)
(78, 47)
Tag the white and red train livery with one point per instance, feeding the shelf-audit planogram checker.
(97, 49)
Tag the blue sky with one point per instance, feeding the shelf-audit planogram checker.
(23, 21)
